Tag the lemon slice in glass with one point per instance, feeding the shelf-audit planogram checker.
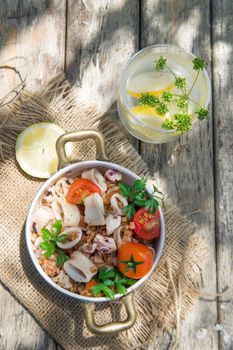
(154, 83)
(35, 149)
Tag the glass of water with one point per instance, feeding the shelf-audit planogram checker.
(140, 77)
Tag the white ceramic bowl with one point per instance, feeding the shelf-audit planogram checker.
(74, 170)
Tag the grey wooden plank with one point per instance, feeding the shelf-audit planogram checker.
(223, 127)
(101, 37)
(184, 168)
(32, 38)
(18, 329)
(33, 32)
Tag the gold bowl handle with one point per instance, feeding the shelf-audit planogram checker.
(79, 136)
(111, 327)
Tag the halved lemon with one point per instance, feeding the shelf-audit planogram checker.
(154, 83)
(35, 149)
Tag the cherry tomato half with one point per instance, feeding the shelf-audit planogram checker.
(146, 225)
(80, 189)
(134, 260)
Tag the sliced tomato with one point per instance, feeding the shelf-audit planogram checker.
(146, 225)
(90, 284)
(80, 189)
(134, 260)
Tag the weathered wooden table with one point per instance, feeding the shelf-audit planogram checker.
(91, 40)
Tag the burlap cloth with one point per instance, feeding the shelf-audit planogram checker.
(161, 303)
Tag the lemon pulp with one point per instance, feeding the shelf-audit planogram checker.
(35, 149)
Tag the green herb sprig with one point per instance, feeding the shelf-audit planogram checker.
(108, 277)
(182, 120)
(49, 243)
(139, 197)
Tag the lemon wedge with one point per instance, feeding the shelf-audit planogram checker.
(35, 149)
(154, 83)
(147, 110)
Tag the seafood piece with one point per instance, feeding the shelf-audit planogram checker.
(118, 202)
(94, 210)
(62, 186)
(73, 236)
(68, 213)
(63, 280)
(113, 176)
(105, 245)
(112, 223)
(95, 176)
(48, 197)
(43, 217)
(117, 235)
(123, 234)
(80, 268)
(89, 248)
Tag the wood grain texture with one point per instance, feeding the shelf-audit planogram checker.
(101, 37)
(18, 329)
(184, 168)
(223, 125)
(32, 34)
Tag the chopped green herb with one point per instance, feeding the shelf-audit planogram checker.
(167, 96)
(168, 124)
(139, 184)
(182, 102)
(162, 108)
(202, 113)
(160, 63)
(148, 100)
(198, 63)
(45, 233)
(109, 277)
(106, 273)
(129, 211)
(61, 258)
(180, 83)
(97, 289)
(49, 244)
(138, 197)
(181, 120)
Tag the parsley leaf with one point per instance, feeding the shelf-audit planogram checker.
(61, 258)
(106, 273)
(49, 243)
(61, 238)
(152, 204)
(45, 233)
(120, 288)
(139, 184)
(97, 289)
(125, 189)
(49, 248)
(56, 228)
(129, 211)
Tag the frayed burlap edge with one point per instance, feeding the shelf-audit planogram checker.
(170, 293)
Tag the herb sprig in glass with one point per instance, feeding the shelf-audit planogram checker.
(182, 120)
